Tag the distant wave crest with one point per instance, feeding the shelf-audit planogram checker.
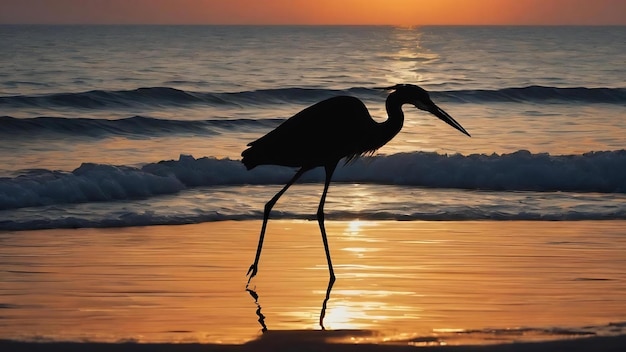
(164, 97)
(172, 97)
(539, 94)
(131, 126)
(603, 172)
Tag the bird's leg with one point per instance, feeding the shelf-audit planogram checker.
(268, 207)
(320, 219)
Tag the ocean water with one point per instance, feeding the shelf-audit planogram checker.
(137, 125)
(129, 126)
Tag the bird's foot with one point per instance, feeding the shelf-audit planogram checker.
(252, 270)
(251, 273)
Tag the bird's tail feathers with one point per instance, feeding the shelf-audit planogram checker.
(249, 159)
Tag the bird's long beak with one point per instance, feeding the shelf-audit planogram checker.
(437, 111)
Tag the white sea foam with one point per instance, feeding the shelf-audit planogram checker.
(603, 172)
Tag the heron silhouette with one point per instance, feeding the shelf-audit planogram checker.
(323, 134)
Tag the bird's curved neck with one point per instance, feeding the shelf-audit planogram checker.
(395, 119)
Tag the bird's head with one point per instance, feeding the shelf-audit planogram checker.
(419, 97)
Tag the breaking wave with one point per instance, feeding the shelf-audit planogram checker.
(132, 126)
(603, 172)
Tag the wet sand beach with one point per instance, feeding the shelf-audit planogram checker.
(399, 284)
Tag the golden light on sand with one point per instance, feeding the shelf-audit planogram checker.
(347, 314)
(340, 317)
(354, 227)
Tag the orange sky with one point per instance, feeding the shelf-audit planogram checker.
(402, 12)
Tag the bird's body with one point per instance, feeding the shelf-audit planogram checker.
(316, 136)
(323, 134)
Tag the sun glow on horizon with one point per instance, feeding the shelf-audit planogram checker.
(321, 12)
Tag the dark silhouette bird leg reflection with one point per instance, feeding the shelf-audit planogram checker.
(323, 312)
(261, 320)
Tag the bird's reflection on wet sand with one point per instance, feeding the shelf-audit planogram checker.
(261, 320)
(261, 317)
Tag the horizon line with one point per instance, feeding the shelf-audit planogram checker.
(318, 25)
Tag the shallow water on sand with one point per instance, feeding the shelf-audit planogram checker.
(434, 282)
